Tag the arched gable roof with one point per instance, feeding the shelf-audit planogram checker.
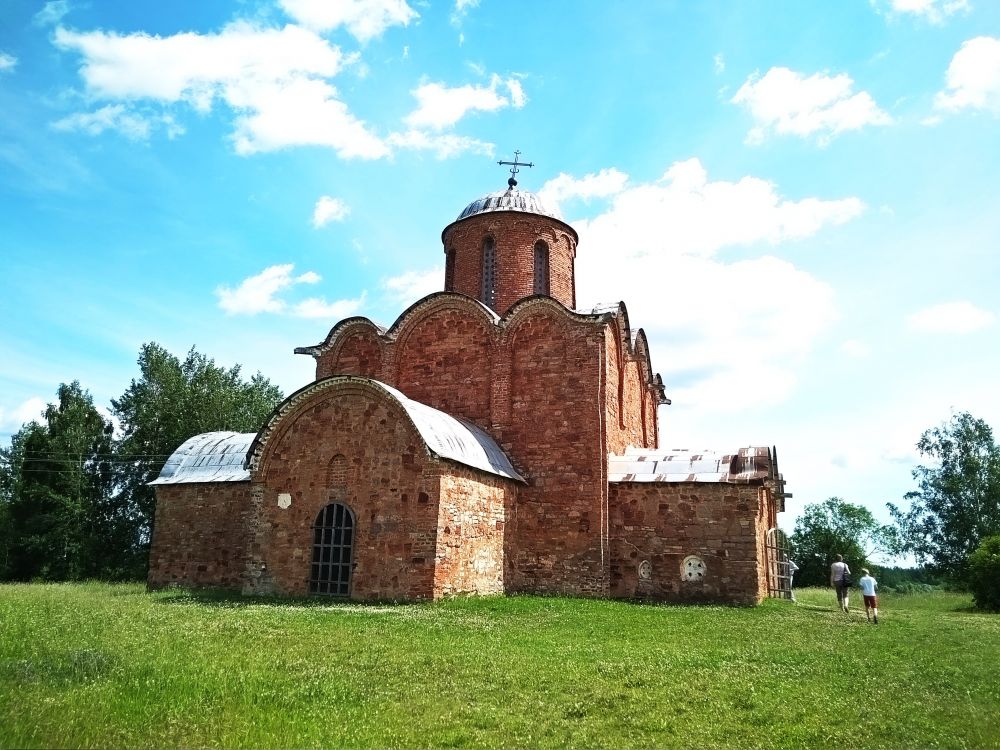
(209, 457)
(444, 436)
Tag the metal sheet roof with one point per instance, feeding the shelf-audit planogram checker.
(681, 465)
(210, 457)
(455, 438)
(510, 199)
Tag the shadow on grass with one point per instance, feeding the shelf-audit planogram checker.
(228, 599)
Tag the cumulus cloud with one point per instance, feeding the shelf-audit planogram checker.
(442, 145)
(258, 293)
(413, 285)
(951, 317)
(973, 77)
(7, 62)
(695, 216)
(329, 209)
(363, 19)
(274, 80)
(316, 307)
(726, 335)
(933, 11)
(788, 103)
(440, 106)
(119, 118)
(600, 185)
(855, 348)
(51, 13)
(30, 410)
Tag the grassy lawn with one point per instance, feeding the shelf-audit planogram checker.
(97, 665)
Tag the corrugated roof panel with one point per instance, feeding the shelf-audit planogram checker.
(682, 465)
(209, 457)
(455, 438)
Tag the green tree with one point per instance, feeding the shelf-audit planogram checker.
(984, 574)
(835, 527)
(56, 493)
(173, 400)
(957, 504)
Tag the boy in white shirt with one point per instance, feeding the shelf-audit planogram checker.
(869, 586)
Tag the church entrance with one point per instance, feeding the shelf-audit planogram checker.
(779, 574)
(333, 538)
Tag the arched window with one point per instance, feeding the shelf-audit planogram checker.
(541, 268)
(333, 543)
(449, 270)
(488, 291)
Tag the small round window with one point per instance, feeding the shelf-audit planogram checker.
(693, 569)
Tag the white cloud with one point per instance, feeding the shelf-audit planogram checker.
(258, 293)
(788, 103)
(118, 117)
(316, 307)
(439, 106)
(7, 62)
(27, 411)
(720, 63)
(601, 185)
(951, 317)
(444, 145)
(725, 335)
(413, 285)
(855, 348)
(51, 13)
(274, 80)
(973, 78)
(933, 11)
(694, 216)
(364, 19)
(329, 209)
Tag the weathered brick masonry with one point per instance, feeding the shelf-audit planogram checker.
(554, 391)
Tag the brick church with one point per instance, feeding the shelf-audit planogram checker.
(493, 439)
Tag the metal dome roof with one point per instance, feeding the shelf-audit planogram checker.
(510, 199)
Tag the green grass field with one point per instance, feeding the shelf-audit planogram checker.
(97, 665)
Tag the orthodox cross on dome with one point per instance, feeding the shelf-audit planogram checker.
(514, 167)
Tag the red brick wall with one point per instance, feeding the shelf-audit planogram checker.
(515, 235)
(444, 360)
(554, 432)
(472, 516)
(391, 484)
(664, 523)
(358, 352)
(199, 535)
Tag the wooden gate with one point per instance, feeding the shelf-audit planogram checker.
(779, 578)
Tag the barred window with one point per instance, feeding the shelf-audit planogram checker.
(541, 268)
(333, 541)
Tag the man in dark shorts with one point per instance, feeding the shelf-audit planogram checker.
(869, 587)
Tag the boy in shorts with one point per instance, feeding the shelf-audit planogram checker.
(869, 586)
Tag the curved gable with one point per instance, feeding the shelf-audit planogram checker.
(443, 435)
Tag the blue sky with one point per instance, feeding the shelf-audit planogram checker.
(798, 201)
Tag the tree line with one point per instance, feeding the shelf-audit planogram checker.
(74, 500)
(951, 527)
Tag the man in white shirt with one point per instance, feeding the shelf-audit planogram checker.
(839, 579)
(791, 567)
(869, 586)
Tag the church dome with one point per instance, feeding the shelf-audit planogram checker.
(510, 199)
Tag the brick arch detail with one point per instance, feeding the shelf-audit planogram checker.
(358, 349)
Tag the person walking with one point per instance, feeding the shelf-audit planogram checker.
(869, 587)
(840, 579)
(790, 567)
